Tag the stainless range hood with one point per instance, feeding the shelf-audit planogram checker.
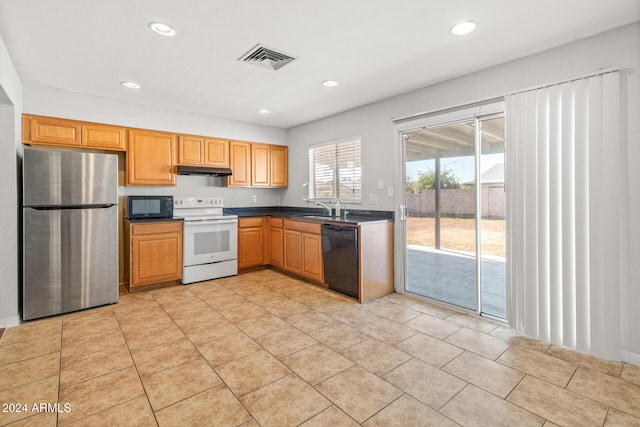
(203, 170)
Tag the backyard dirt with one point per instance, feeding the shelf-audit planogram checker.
(458, 234)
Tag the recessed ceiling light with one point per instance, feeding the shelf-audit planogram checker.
(162, 29)
(329, 83)
(130, 85)
(264, 111)
(463, 28)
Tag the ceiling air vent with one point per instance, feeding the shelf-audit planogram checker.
(265, 57)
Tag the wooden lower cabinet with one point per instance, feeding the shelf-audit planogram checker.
(153, 253)
(303, 249)
(294, 246)
(312, 266)
(293, 251)
(276, 243)
(252, 242)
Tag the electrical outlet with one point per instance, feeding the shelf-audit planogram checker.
(373, 199)
(389, 191)
(380, 184)
(254, 199)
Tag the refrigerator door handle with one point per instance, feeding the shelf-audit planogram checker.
(57, 208)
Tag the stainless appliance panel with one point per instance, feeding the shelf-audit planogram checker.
(70, 260)
(69, 178)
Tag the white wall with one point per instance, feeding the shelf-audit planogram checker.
(10, 152)
(373, 122)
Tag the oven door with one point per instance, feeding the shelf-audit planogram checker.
(209, 241)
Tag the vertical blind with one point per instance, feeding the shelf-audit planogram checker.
(335, 171)
(565, 180)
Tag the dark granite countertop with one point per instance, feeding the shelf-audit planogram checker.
(355, 216)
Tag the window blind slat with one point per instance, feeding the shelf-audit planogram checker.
(335, 171)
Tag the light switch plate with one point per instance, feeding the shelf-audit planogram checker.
(389, 191)
(373, 199)
(254, 199)
(380, 184)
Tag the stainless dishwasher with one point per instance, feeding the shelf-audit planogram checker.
(340, 253)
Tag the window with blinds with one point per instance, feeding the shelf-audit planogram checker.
(335, 171)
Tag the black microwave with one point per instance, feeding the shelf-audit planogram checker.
(149, 207)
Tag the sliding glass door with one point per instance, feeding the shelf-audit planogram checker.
(454, 213)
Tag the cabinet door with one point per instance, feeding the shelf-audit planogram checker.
(156, 258)
(151, 158)
(250, 247)
(104, 137)
(240, 162)
(279, 166)
(260, 167)
(293, 251)
(276, 247)
(216, 152)
(190, 150)
(312, 266)
(51, 131)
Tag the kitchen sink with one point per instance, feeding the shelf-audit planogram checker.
(326, 217)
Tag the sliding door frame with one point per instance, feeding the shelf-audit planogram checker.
(465, 114)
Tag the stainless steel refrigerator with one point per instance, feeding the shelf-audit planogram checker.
(70, 231)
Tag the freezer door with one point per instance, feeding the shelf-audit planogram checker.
(69, 178)
(70, 260)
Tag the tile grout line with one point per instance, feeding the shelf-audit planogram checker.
(223, 383)
(126, 343)
(284, 291)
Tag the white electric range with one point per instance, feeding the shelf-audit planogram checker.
(210, 245)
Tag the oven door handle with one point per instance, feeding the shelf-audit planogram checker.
(209, 222)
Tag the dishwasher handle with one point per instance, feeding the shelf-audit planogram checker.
(336, 227)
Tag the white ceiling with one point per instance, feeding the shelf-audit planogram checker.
(374, 48)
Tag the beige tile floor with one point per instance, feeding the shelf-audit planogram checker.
(266, 349)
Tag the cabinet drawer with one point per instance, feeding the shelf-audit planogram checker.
(250, 222)
(275, 222)
(156, 228)
(305, 227)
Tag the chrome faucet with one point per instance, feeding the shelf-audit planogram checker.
(328, 208)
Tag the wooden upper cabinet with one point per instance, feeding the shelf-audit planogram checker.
(190, 150)
(51, 131)
(72, 133)
(104, 137)
(240, 163)
(202, 151)
(216, 152)
(279, 165)
(151, 158)
(260, 165)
